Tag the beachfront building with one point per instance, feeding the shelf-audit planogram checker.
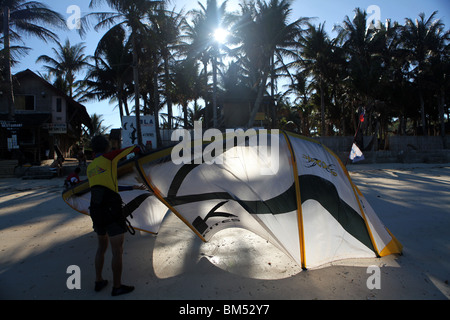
(45, 120)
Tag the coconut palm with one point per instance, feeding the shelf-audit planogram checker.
(364, 62)
(196, 51)
(423, 38)
(203, 46)
(195, 114)
(96, 128)
(69, 60)
(391, 88)
(301, 88)
(165, 28)
(261, 41)
(315, 51)
(111, 75)
(440, 69)
(19, 18)
(185, 81)
(131, 14)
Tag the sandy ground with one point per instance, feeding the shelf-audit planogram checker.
(40, 237)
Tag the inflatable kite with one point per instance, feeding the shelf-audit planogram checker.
(288, 189)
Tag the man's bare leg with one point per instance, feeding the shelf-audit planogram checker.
(116, 264)
(100, 256)
(99, 261)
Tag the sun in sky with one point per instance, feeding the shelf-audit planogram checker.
(220, 35)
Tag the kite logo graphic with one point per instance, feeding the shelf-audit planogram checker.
(201, 225)
(95, 171)
(312, 162)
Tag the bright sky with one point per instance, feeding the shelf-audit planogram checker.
(330, 11)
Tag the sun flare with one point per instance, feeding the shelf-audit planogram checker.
(220, 35)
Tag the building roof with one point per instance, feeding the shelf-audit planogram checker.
(77, 108)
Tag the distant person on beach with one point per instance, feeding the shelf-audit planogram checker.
(73, 178)
(57, 165)
(81, 158)
(106, 210)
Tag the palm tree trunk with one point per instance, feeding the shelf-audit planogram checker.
(125, 103)
(441, 115)
(422, 103)
(136, 91)
(272, 90)
(156, 106)
(120, 107)
(259, 97)
(422, 113)
(185, 114)
(8, 76)
(322, 107)
(344, 127)
(205, 98)
(214, 104)
(71, 80)
(168, 97)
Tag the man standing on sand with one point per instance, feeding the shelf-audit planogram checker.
(106, 210)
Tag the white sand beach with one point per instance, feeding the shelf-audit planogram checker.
(41, 236)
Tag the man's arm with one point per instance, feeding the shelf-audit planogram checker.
(116, 155)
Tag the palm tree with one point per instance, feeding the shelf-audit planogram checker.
(302, 89)
(111, 75)
(261, 41)
(440, 69)
(315, 51)
(394, 81)
(131, 14)
(195, 114)
(364, 63)
(203, 46)
(151, 73)
(68, 61)
(185, 80)
(97, 125)
(165, 31)
(19, 18)
(423, 38)
(196, 51)
(96, 128)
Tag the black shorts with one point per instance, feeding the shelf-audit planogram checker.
(112, 229)
(106, 212)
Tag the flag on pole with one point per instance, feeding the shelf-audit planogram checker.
(361, 115)
(356, 154)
